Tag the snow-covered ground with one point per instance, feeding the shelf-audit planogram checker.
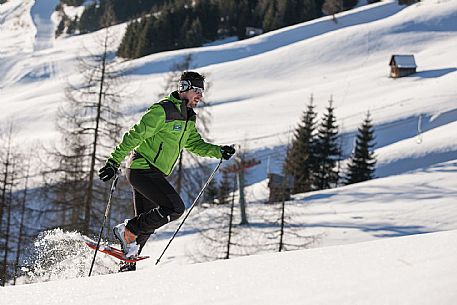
(260, 87)
(44, 38)
(414, 203)
(411, 270)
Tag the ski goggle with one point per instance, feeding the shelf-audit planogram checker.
(197, 89)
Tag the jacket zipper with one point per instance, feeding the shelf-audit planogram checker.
(179, 144)
(158, 153)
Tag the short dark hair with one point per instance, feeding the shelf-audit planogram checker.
(196, 79)
(191, 75)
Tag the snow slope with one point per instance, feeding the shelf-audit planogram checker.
(44, 38)
(16, 28)
(414, 270)
(260, 87)
(273, 76)
(408, 204)
(419, 202)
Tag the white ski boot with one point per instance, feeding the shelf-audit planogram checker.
(130, 249)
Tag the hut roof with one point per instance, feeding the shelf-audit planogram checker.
(403, 61)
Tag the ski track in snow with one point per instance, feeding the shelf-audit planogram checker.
(41, 15)
(44, 39)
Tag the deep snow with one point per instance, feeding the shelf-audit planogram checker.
(419, 269)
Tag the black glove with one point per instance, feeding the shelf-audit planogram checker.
(227, 151)
(108, 171)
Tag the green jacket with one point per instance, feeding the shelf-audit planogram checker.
(161, 134)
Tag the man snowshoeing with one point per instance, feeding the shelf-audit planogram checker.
(154, 144)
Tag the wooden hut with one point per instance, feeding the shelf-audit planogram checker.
(407, 2)
(402, 65)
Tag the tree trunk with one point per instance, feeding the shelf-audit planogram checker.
(90, 188)
(21, 225)
(5, 205)
(227, 255)
(283, 203)
(9, 201)
(244, 218)
(5, 180)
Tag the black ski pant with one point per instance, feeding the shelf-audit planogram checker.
(155, 202)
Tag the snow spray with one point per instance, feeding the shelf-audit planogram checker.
(58, 255)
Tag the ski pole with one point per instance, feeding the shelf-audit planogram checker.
(190, 209)
(108, 206)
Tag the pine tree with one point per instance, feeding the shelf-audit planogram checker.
(8, 160)
(362, 163)
(348, 4)
(332, 7)
(14, 169)
(226, 26)
(194, 36)
(90, 19)
(72, 25)
(301, 157)
(176, 26)
(207, 12)
(60, 27)
(90, 126)
(128, 40)
(243, 17)
(22, 208)
(163, 31)
(312, 9)
(271, 20)
(144, 38)
(328, 151)
(72, 2)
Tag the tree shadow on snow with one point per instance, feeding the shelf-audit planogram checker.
(318, 197)
(380, 230)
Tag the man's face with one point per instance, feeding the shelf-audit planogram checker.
(193, 96)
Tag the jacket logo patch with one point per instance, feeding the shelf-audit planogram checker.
(177, 127)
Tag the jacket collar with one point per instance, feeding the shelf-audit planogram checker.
(174, 98)
(187, 113)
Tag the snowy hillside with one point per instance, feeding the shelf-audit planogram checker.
(414, 203)
(275, 74)
(412, 270)
(260, 87)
